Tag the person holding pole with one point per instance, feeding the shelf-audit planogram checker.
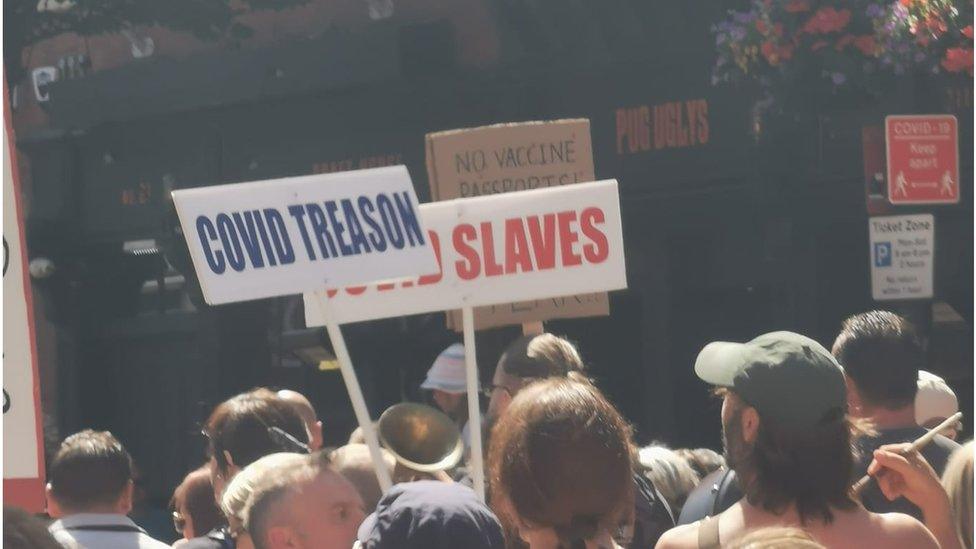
(535, 357)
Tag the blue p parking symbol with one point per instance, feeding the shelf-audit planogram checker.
(882, 254)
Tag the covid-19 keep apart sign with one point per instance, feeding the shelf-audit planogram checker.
(537, 244)
(286, 236)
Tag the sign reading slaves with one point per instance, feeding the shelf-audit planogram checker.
(286, 236)
(923, 159)
(902, 256)
(507, 158)
(23, 473)
(536, 245)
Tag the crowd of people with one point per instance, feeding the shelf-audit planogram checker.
(800, 425)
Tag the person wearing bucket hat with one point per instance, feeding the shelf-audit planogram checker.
(430, 515)
(446, 380)
(788, 438)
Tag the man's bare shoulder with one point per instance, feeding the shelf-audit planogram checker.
(901, 530)
(680, 537)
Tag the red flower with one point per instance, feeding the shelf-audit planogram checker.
(968, 32)
(906, 3)
(844, 42)
(770, 52)
(778, 30)
(818, 45)
(760, 26)
(796, 6)
(958, 60)
(866, 44)
(827, 20)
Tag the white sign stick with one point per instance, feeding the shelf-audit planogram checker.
(356, 396)
(474, 411)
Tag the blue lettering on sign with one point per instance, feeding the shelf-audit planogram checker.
(230, 242)
(389, 217)
(207, 234)
(260, 238)
(409, 217)
(882, 254)
(279, 235)
(298, 212)
(366, 210)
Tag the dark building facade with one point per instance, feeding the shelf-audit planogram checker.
(736, 222)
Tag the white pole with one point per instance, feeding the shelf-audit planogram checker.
(355, 393)
(474, 411)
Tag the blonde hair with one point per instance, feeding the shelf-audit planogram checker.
(776, 537)
(240, 488)
(958, 482)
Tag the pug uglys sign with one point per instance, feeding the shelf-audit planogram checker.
(286, 236)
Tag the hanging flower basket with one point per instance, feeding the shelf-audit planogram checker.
(815, 52)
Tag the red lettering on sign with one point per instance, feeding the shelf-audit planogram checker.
(516, 247)
(543, 241)
(492, 268)
(470, 267)
(568, 237)
(599, 249)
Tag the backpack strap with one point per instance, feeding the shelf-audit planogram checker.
(708, 537)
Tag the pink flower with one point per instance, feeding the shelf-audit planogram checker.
(866, 44)
(796, 6)
(827, 20)
(968, 32)
(958, 60)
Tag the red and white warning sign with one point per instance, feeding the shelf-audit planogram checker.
(923, 159)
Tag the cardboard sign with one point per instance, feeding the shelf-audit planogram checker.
(902, 256)
(537, 245)
(923, 159)
(23, 468)
(285, 236)
(508, 158)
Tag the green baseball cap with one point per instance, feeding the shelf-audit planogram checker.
(788, 378)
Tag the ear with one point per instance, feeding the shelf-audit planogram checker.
(229, 460)
(279, 537)
(125, 499)
(53, 509)
(317, 437)
(750, 424)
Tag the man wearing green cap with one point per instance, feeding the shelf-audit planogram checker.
(788, 438)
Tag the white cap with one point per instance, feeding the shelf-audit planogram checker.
(447, 372)
(934, 400)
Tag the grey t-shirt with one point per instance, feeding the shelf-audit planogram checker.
(936, 453)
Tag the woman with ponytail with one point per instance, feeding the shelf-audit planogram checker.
(561, 465)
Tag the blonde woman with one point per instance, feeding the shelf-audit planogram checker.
(236, 494)
(958, 483)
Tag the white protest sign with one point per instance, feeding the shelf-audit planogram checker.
(902, 256)
(23, 472)
(539, 244)
(285, 236)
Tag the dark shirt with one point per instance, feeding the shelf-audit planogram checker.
(936, 453)
(653, 516)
